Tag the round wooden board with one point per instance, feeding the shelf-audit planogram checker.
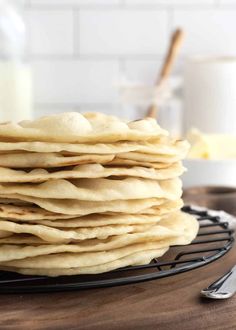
(169, 303)
(172, 303)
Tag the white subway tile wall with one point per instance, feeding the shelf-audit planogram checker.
(74, 81)
(145, 71)
(74, 2)
(122, 32)
(51, 32)
(80, 49)
(209, 31)
(170, 2)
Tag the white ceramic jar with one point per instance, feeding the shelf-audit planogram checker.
(210, 94)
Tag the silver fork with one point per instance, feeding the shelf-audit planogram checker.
(223, 288)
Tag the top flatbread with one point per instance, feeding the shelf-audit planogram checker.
(73, 127)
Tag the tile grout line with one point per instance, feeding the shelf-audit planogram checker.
(53, 105)
(95, 57)
(124, 4)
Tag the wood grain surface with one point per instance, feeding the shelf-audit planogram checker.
(168, 304)
(172, 303)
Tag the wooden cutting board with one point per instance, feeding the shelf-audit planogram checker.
(172, 303)
(168, 304)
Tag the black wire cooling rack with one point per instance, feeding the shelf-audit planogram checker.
(214, 239)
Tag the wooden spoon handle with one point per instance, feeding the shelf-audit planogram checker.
(152, 111)
(174, 47)
(175, 44)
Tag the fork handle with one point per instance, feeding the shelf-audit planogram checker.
(223, 288)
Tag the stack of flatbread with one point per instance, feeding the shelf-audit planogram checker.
(86, 194)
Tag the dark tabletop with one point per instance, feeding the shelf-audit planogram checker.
(169, 304)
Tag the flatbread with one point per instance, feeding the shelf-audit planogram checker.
(15, 252)
(164, 235)
(4, 234)
(176, 220)
(57, 235)
(86, 259)
(47, 160)
(15, 202)
(130, 162)
(73, 127)
(92, 171)
(33, 213)
(163, 146)
(163, 209)
(152, 158)
(75, 207)
(29, 245)
(24, 239)
(28, 212)
(85, 194)
(99, 190)
(139, 258)
(97, 220)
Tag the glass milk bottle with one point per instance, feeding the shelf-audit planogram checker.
(15, 73)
